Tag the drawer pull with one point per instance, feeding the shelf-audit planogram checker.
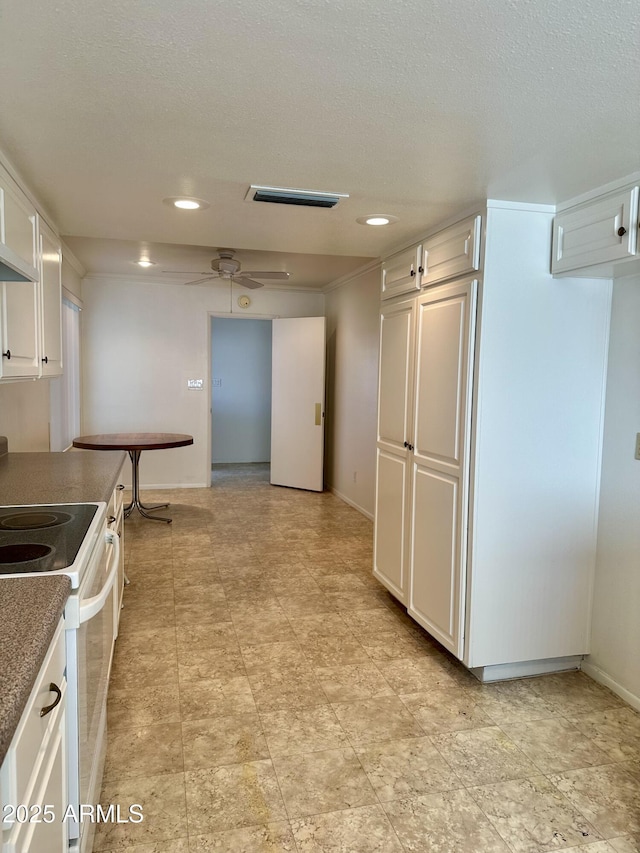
(119, 487)
(53, 688)
(111, 519)
(7, 355)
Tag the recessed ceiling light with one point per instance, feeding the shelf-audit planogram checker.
(377, 219)
(145, 262)
(186, 203)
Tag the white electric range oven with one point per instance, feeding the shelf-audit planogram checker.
(73, 539)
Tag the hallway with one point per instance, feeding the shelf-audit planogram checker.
(268, 695)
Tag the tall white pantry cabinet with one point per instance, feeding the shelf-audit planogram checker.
(491, 403)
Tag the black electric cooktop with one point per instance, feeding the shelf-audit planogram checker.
(42, 538)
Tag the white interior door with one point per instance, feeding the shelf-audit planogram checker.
(297, 402)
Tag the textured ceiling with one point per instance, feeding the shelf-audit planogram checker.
(416, 108)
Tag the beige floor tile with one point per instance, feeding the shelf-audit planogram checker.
(305, 605)
(322, 625)
(356, 830)
(207, 664)
(193, 593)
(269, 628)
(203, 612)
(147, 751)
(351, 600)
(555, 745)
(266, 838)
(223, 740)
(624, 844)
(286, 687)
(571, 693)
(144, 671)
(449, 821)
(233, 796)
(178, 845)
(446, 709)
(532, 816)
(206, 635)
(268, 655)
(608, 797)
(334, 651)
(323, 781)
(217, 697)
(408, 767)
(416, 675)
(512, 701)
(373, 720)
(163, 807)
(352, 682)
(374, 621)
(615, 732)
(300, 730)
(484, 756)
(133, 707)
(151, 641)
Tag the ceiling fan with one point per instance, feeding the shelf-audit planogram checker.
(226, 267)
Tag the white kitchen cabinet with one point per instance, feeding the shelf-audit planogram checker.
(34, 771)
(18, 230)
(445, 329)
(395, 394)
(20, 329)
(486, 521)
(401, 273)
(50, 260)
(596, 234)
(452, 252)
(115, 522)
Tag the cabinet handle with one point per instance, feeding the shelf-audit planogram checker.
(408, 446)
(622, 231)
(53, 688)
(412, 273)
(120, 487)
(45, 359)
(7, 355)
(111, 519)
(420, 270)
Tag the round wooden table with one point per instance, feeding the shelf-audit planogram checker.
(134, 443)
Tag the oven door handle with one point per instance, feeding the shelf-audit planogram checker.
(94, 605)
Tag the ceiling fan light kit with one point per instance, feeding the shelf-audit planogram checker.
(286, 195)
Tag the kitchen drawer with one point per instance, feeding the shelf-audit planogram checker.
(33, 732)
(452, 252)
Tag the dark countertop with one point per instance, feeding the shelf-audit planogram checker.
(31, 609)
(77, 476)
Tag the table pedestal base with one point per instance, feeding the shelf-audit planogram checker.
(135, 493)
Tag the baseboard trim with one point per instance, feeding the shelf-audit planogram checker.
(525, 668)
(147, 486)
(347, 500)
(602, 677)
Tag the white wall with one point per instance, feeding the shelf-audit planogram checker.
(241, 403)
(141, 342)
(353, 312)
(615, 657)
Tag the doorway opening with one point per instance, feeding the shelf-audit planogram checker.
(240, 397)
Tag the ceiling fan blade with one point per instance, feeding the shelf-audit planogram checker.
(265, 274)
(187, 272)
(200, 280)
(248, 282)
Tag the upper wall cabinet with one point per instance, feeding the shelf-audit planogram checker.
(401, 273)
(453, 252)
(51, 302)
(18, 231)
(590, 238)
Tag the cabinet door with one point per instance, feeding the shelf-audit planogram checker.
(394, 435)
(17, 221)
(453, 252)
(445, 327)
(51, 294)
(599, 232)
(401, 273)
(20, 330)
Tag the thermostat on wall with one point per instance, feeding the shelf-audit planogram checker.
(244, 301)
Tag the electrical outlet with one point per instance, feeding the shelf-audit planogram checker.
(638, 445)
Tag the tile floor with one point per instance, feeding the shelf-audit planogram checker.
(269, 695)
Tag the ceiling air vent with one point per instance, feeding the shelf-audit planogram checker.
(282, 195)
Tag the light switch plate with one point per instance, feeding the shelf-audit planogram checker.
(195, 384)
(216, 383)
